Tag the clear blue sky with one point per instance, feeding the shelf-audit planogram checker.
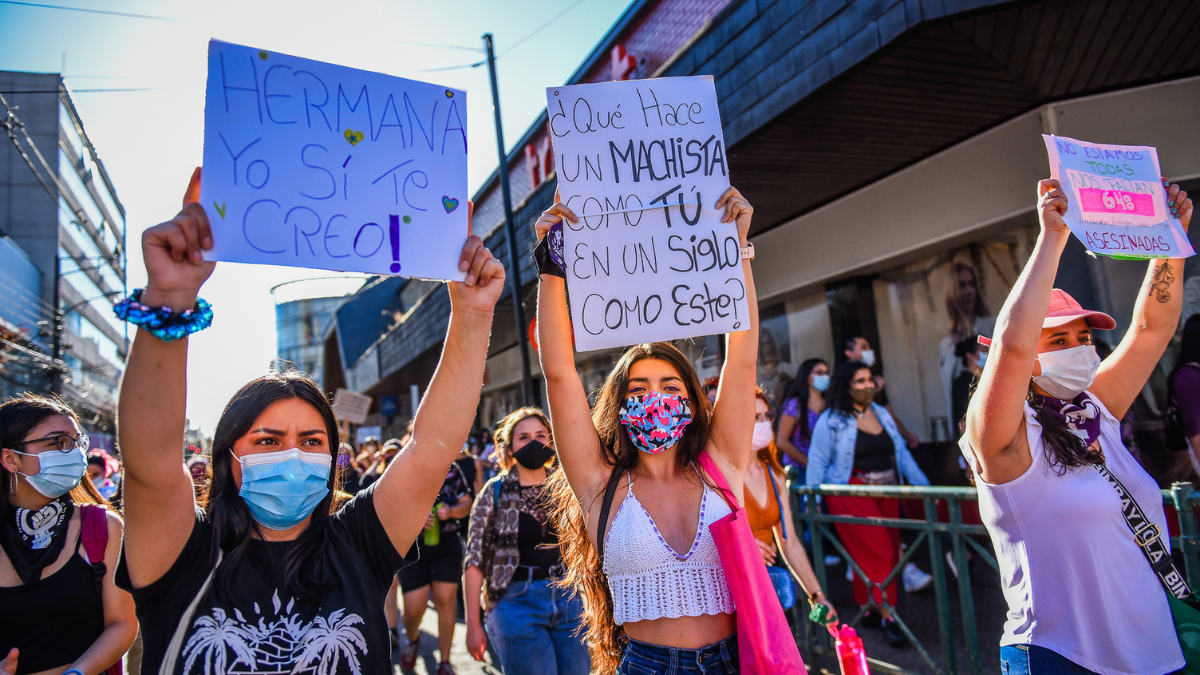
(150, 140)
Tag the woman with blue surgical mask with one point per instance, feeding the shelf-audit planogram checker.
(60, 611)
(654, 589)
(1058, 491)
(270, 572)
(803, 405)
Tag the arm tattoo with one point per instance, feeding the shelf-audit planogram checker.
(1160, 282)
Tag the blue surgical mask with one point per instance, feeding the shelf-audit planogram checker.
(60, 472)
(282, 488)
(982, 359)
(821, 382)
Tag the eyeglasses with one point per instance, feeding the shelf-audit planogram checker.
(62, 442)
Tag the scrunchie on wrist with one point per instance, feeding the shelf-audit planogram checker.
(163, 322)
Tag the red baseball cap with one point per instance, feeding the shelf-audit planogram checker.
(1064, 309)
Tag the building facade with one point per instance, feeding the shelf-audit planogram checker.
(62, 256)
(891, 149)
(303, 310)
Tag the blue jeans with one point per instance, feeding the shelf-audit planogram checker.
(1035, 660)
(642, 658)
(533, 627)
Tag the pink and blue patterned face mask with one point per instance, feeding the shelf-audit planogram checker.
(655, 421)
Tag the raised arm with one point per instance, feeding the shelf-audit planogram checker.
(733, 412)
(406, 492)
(997, 410)
(575, 436)
(1155, 318)
(158, 501)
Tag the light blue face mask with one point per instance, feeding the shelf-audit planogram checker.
(60, 472)
(982, 360)
(282, 488)
(821, 382)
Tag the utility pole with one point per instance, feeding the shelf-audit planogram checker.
(514, 270)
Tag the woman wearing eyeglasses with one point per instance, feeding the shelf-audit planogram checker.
(60, 612)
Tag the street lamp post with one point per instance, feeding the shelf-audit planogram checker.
(514, 270)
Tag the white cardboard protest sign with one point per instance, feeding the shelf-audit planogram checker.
(308, 164)
(642, 163)
(1117, 205)
(351, 405)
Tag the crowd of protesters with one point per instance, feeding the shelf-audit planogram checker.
(585, 539)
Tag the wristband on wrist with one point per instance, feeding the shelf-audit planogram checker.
(76, 671)
(163, 322)
(548, 256)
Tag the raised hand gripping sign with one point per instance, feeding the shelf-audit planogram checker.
(1117, 205)
(308, 164)
(642, 163)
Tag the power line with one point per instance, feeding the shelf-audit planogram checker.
(79, 217)
(439, 46)
(89, 11)
(540, 28)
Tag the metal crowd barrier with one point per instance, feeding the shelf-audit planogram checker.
(816, 643)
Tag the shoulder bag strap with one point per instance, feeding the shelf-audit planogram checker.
(714, 472)
(610, 492)
(771, 476)
(167, 667)
(93, 522)
(1148, 538)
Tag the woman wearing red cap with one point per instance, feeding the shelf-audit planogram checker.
(1044, 442)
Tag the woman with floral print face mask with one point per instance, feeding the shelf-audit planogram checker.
(665, 590)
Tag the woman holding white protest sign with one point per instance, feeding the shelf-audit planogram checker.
(1059, 492)
(648, 606)
(268, 574)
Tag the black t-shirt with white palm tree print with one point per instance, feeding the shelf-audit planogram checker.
(256, 627)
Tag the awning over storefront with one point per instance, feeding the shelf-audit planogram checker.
(821, 98)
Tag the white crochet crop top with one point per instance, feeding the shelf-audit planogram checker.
(649, 580)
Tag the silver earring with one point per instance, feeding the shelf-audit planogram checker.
(12, 487)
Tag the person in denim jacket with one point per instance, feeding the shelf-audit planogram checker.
(839, 454)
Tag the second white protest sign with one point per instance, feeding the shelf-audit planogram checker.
(643, 163)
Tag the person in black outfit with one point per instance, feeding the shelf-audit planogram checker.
(271, 574)
(58, 609)
(436, 570)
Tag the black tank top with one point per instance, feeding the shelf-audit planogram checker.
(54, 621)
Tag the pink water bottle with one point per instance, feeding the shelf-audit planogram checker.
(852, 658)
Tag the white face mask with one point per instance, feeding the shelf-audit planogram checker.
(868, 357)
(762, 436)
(1067, 373)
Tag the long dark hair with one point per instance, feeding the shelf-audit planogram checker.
(303, 572)
(584, 571)
(840, 400)
(1062, 449)
(22, 414)
(799, 391)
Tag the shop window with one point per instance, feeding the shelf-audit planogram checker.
(852, 314)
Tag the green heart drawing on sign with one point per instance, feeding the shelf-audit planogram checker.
(220, 209)
(449, 203)
(355, 137)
